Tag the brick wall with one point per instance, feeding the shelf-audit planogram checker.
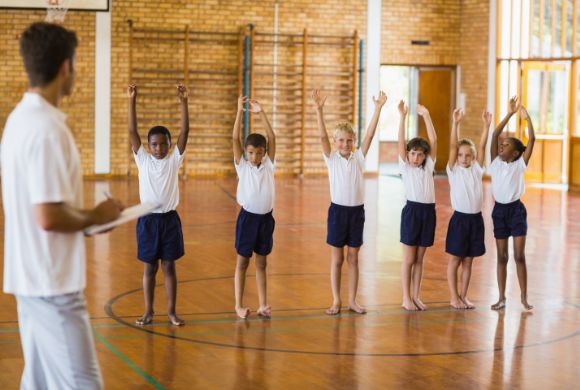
(13, 82)
(331, 17)
(436, 21)
(454, 27)
(473, 59)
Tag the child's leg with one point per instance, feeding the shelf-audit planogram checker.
(352, 260)
(261, 263)
(337, 258)
(149, 272)
(465, 279)
(452, 268)
(409, 254)
(240, 283)
(170, 281)
(418, 277)
(520, 257)
(502, 261)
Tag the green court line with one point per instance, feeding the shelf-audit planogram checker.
(128, 362)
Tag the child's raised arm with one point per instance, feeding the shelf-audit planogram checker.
(133, 134)
(513, 107)
(236, 132)
(319, 105)
(184, 131)
(256, 108)
(402, 145)
(531, 135)
(486, 117)
(431, 134)
(453, 140)
(379, 103)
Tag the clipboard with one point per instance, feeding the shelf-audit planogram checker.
(129, 214)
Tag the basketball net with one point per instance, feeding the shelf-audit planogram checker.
(56, 10)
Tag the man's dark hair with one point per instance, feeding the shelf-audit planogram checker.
(159, 130)
(44, 47)
(256, 140)
(518, 146)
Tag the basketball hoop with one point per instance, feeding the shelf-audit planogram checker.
(56, 10)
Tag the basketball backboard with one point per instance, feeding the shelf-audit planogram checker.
(74, 5)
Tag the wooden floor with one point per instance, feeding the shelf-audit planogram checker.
(302, 348)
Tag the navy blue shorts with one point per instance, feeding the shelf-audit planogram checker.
(159, 236)
(465, 235)
(345, 225)
(509, 219)
(254, 233)
(418, 222)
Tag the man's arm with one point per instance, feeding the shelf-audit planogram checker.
(133, 134)
(60, 217)
(184, 130)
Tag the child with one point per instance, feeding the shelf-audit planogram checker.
(346, 215)
(159, 234)
(465, 235)
(418, 216)
(509, 214)
(255, 224)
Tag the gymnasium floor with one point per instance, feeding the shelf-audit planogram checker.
(301, 347)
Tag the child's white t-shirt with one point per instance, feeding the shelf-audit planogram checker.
(466, 188)
(256, 189)
(418, 181)
(507, 179)
(346, 177)
(158, 178)
(40, 164)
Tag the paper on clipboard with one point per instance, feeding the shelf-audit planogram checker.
(129, 214)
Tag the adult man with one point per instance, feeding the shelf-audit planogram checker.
(44, 260)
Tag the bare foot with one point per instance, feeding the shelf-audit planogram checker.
(175, 320)
(458, 304)
(265, 311)
(409, 305)
(468, 303)
(243, 312)
(498, 305)
(357, 308)
(334, 309)
(527, 306)
(146, 319)
(420, 305)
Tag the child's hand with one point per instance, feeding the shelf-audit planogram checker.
(524, 113)
(486, 116)
(402, 108)
(513, 105)
(132, 91)
(181, 92)
(255, 106)
(422, 110)
(458, 115)
(380, 100)
(317, 99)
(241, 102)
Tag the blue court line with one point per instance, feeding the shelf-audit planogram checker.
(128, 362)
